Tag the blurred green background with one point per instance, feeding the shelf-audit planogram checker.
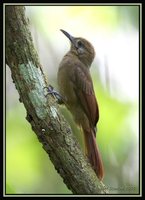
(114, 33)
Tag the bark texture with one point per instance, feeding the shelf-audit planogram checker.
(52, 130)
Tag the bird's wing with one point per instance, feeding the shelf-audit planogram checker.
(85, 93)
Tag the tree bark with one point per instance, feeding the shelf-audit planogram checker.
(43, 113)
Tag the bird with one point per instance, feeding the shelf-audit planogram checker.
(76, 87)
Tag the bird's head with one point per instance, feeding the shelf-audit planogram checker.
(82, 48)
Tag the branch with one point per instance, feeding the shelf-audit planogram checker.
(42, 113)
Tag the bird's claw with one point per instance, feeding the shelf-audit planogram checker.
(54, 93)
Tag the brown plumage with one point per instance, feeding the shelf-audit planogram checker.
(76, 87)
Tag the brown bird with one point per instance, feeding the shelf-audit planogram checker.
(76, 88)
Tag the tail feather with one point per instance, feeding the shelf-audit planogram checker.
(93, 153)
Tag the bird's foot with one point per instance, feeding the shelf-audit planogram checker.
(50, 90)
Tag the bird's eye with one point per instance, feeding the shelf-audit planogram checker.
(80, 44)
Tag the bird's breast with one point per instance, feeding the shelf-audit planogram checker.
(64, 77)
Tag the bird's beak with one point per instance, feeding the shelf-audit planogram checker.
(71, 38)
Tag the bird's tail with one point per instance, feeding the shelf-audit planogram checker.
(93, 153)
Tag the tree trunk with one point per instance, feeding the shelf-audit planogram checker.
(42, 113)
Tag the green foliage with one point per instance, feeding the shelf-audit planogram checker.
(10, 189)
